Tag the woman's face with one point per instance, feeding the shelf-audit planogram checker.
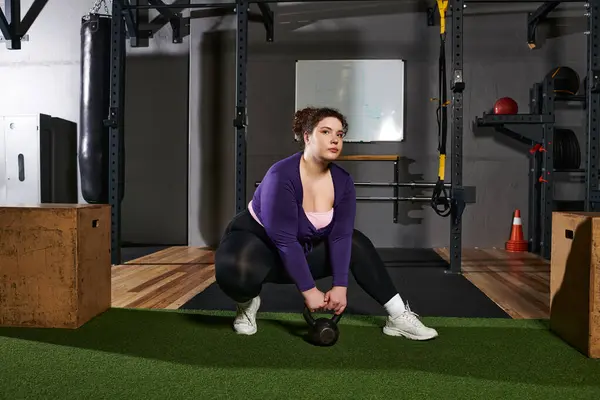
(326, 140)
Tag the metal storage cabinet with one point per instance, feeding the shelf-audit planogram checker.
(38, 160)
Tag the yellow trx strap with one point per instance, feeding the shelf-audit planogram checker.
(439, 198)
(442, 7)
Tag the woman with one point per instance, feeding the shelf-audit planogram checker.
(299, 227)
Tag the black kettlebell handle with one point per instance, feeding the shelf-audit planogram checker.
(311, 321)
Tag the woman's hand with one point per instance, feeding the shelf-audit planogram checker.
(314, 299)
(336, 299)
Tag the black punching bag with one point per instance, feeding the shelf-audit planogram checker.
(94, 106)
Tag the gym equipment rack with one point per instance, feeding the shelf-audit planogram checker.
(128, 18)
(127, 21)
(537, 128)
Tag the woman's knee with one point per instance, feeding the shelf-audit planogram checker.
(227, 267)
(237, 263)
(231, 270)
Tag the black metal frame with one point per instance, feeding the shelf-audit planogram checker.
(116, 124)
(535, 18)
(241, 54)
(456, 141)
(12, 27)
(537, 128)
(125, 8)
(132, 14)
(546, 179)
(592, 91)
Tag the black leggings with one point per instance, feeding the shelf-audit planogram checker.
(246, 258)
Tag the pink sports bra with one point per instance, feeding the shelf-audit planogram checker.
(318, 219)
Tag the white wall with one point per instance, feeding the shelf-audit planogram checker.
(44, 77)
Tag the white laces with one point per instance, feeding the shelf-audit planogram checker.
(242, 310)
(411, 316)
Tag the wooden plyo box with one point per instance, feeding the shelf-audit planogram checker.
(575, 280)
(55, 265)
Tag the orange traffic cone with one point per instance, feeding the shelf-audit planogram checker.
(517, 243)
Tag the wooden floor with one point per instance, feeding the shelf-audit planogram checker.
(166, 279)
(518, 282)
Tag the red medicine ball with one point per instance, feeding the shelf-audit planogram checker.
(506, 105)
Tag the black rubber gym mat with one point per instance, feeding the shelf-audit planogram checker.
(428, 289)
(411, 258)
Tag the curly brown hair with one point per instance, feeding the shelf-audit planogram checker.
(306, 119)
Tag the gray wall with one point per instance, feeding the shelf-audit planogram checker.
(168, 201)
(44, 77)
(497, 63)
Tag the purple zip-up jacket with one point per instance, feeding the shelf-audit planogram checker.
(277, 202)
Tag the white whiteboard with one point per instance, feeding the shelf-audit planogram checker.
(370, 93)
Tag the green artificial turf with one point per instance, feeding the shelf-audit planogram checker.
(141, 354)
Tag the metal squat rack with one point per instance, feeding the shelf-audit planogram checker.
(130, 21)
(129, 13)
(538, 129)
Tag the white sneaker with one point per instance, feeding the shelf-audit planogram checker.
(408, 325)
(245, 320)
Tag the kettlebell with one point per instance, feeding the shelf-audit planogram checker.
(322, 331)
